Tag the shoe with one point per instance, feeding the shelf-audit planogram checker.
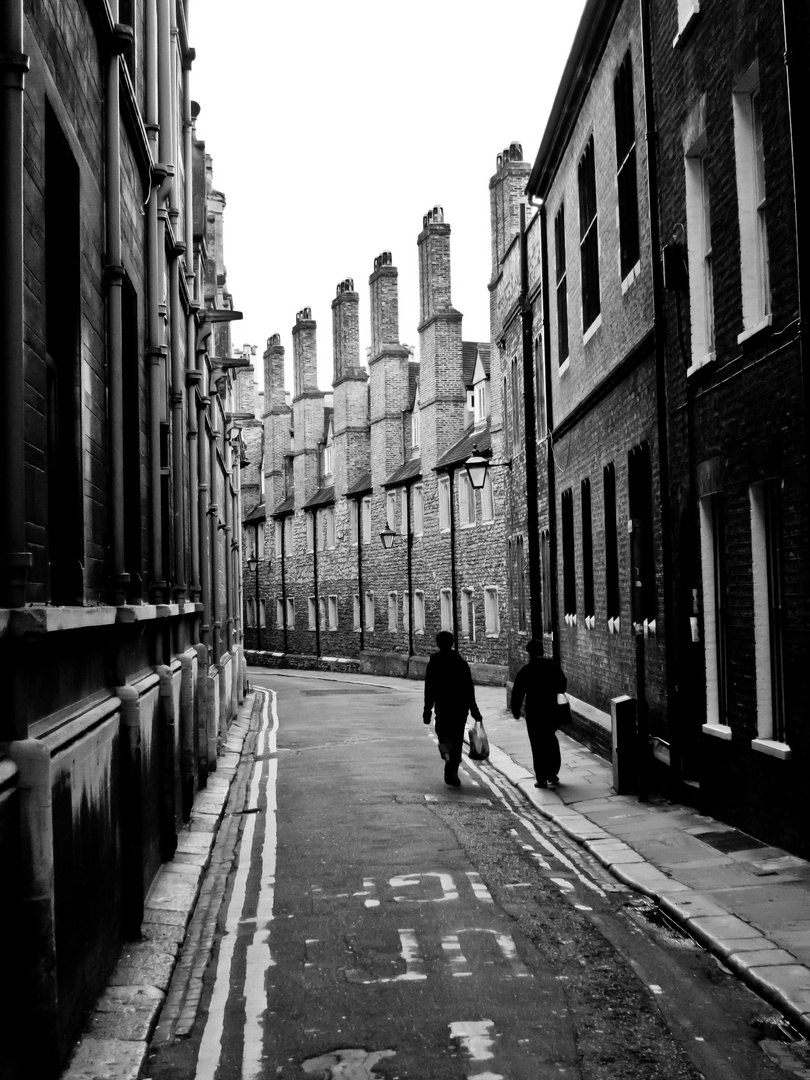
(451, 776)
(554, 779)
(541, 783)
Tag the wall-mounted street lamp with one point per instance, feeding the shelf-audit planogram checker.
(253, 563)
(387, 537)
(477, 468)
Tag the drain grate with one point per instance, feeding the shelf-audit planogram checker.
(728, 840)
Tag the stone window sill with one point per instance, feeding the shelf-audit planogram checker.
(772, 748)
(717, 731)
(752, 331)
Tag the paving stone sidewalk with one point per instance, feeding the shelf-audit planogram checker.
(746, 902)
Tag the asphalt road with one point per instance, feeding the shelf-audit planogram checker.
(372, 921)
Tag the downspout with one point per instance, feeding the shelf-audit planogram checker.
(672, 687)
(227, 501)
(113, 280)
(203, 401)
(551, 475)
(15, 561)
(410, 568)
(530, 429)
(315, 583)
(214, 527)
(359, 504)
(283, 585)
(192, 373)
(796, 108)
(451, 475)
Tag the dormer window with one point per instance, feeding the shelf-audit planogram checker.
(415, 426)
(478, 397)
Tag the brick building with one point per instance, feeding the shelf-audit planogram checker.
(738, 403)
(647, 323)
(383, 451)
(120, 613)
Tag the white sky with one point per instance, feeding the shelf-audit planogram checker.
(335, 126)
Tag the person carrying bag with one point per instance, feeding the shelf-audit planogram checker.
(541, 684)
(479, 743)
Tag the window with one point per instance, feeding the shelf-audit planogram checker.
(320, 528)
(518, 582)
(260, 539)
(612, 593)
(562, 286)
(639, 484)
(311, 613)
(310, 521)
(333, 613)
(699, 249)
(766, 566)
(588, 238)
(487, 500)
(393, 611)
(327, 459)
(587, 553)
(506, 424)
(569, 568)
(367, 521)
(540, 386)
(330, 526)
(516, 398)
(290, 613)
(419, 612)
(356, 611)
(289, 548)
(481, 392)
(466, 499)
(751, 203)
(418, 510)
(352, 522)
(403, 523)
(545, 571)
(262, 613)
(369, 611)
(713, 573)
(277, 527)
(250, 611)
(406, 608)
(446, 609)
(322, 612)
(626, 167)
(492, 619)
(468, 614)
(62, 520)
(279, 612)
(415, 425)
(132, 370)
(444, 502)
(391, 510)
(687, 9)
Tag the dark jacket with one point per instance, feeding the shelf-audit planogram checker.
(449, 687)
(538, 683)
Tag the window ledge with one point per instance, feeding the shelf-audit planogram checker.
(717, 731)
(47, 619)
(686, 26)
(763, 324)
(772, 748)
(631, 277)
(697, 365)
(563, 367)
(595, 325)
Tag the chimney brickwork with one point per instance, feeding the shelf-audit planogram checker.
(350, 416)
(388, 371)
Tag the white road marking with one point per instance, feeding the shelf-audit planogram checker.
(482, 893)
(448, 887)
(656, 989)
(414, 961)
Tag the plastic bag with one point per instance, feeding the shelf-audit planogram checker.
(562, 714)
(479, 743)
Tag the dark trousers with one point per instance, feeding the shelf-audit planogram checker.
(450, 733)
(545, 751)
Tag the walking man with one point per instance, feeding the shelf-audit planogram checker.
(538, 683)
(449, 690)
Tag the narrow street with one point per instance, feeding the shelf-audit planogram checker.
(360, 918)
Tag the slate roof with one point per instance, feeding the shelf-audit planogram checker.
(285, 507)
(258, 513)
(360, 486)
(477, 437)
(324, 496)
(411, 470)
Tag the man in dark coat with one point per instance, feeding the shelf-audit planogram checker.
(538, 683)
(450, 691)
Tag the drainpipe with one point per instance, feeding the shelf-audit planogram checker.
(193, 374)
(410, 569)
(359, 503)
(213, 511)
(227, 507)
(672, 686)
(203, 496)
(551, 475)
(315, 581)
(14, 559)
(113, 279)
(451, 474)
(530, 429)
(797, 100)
(283, 584)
